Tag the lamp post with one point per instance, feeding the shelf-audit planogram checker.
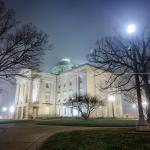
(111, 98)
(142, 124)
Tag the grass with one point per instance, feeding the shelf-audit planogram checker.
(78, 122)
(90, 122)
(101, 139)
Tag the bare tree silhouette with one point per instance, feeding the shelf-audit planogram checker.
(128, 59)
(85, 104)
(21, 46)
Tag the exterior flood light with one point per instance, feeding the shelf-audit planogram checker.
(111, 98)
(4, 109)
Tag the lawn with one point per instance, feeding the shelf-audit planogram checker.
(101, 139)
(90, 122)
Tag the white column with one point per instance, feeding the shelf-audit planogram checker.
(17, 94)
(16, 113)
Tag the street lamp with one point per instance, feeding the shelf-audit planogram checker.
(133, 106)
(111, 98)
(11, 109)
(131, 28)
(4, 109)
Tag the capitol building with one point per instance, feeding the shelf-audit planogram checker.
(45, 94)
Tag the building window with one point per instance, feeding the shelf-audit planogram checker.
(58, 98)
(70, 93)
(65, 96)
(47, 85)
(64, 84)
(47, 98)
(118, 111)
(80, 79)
(81, 92)
(118, 102)
(64, 111)
(70, 82)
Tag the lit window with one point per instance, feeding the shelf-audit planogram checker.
(65, 96)
(82, 92)
(70, 93)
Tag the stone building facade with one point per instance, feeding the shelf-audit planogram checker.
(45, 94)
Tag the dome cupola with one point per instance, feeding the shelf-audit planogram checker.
(62, 66)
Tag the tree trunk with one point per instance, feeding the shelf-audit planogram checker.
(142, 124)
(147, 93)
(138, 90)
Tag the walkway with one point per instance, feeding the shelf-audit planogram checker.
(28, 136)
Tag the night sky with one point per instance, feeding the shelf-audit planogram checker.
(75, 25)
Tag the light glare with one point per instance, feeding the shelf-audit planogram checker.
(133, 106)
(111, 98)
(131, 28)
(144, 103)
(11, 109)
(4, 109)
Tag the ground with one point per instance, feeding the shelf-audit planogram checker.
(28, 135)
(99, 139)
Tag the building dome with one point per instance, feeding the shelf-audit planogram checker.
(62, 66)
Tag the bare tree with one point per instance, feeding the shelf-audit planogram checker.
(121, 57)
(21, 46)
(85, 104)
